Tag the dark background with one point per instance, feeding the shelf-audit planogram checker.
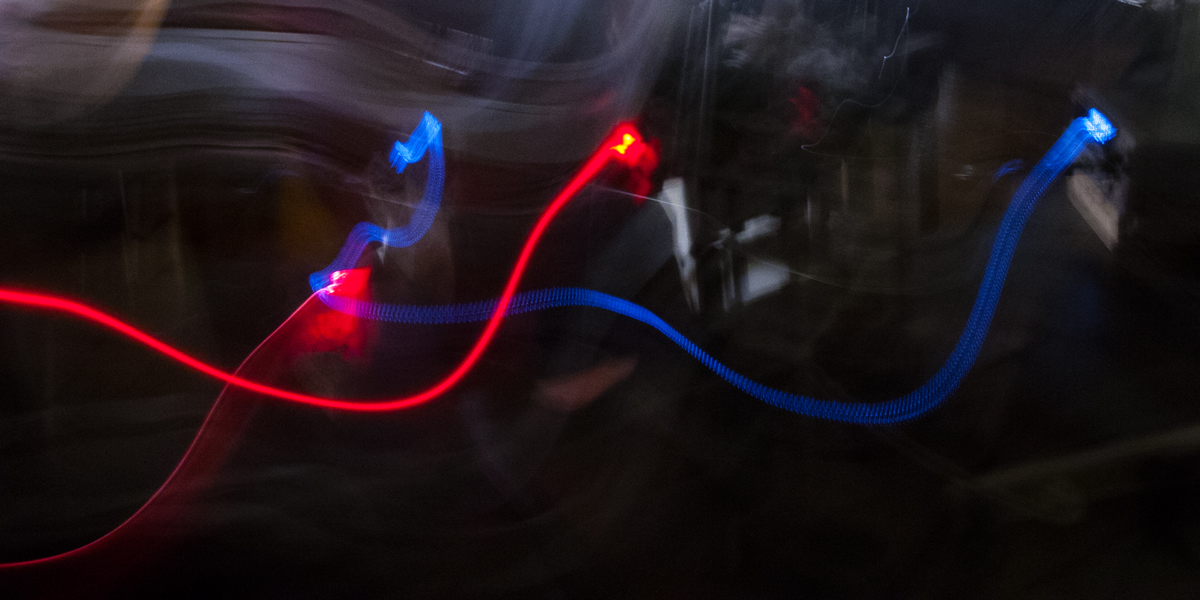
(587, 456)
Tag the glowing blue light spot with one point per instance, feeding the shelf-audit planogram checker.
(1099, 126)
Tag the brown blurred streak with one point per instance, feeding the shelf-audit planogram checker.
(88, 20)
(577, 390)
(257, 17)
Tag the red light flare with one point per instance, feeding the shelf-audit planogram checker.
(334, 331)
(641, 159)
(805, 118)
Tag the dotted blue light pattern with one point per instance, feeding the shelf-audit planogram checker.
(1093, 128)
(426, 137)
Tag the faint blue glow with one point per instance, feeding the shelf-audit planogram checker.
(1007, 168)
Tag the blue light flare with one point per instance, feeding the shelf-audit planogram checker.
(1099, 126)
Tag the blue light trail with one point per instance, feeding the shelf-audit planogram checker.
(1092, 128)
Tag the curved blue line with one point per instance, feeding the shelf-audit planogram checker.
(426, 137)
(1093, 128)
(1011, 166)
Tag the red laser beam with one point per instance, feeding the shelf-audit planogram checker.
(624, 144)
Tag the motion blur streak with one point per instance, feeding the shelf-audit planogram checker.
(1094, 127)
(62, 58)
(623, 143)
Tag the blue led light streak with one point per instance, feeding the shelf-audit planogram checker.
(426, 137)
(1092, 128)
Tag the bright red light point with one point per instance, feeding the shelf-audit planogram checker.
(625, 142)
(351, 283)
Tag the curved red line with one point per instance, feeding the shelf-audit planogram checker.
(191, 449)
(614, 147)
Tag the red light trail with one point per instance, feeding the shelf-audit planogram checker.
(623, 145)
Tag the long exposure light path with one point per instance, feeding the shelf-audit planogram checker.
(1092, 128)
(425, 134)
(623, 145)
(620, 146)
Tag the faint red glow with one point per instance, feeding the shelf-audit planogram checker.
(626, 140)
(806, 118)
